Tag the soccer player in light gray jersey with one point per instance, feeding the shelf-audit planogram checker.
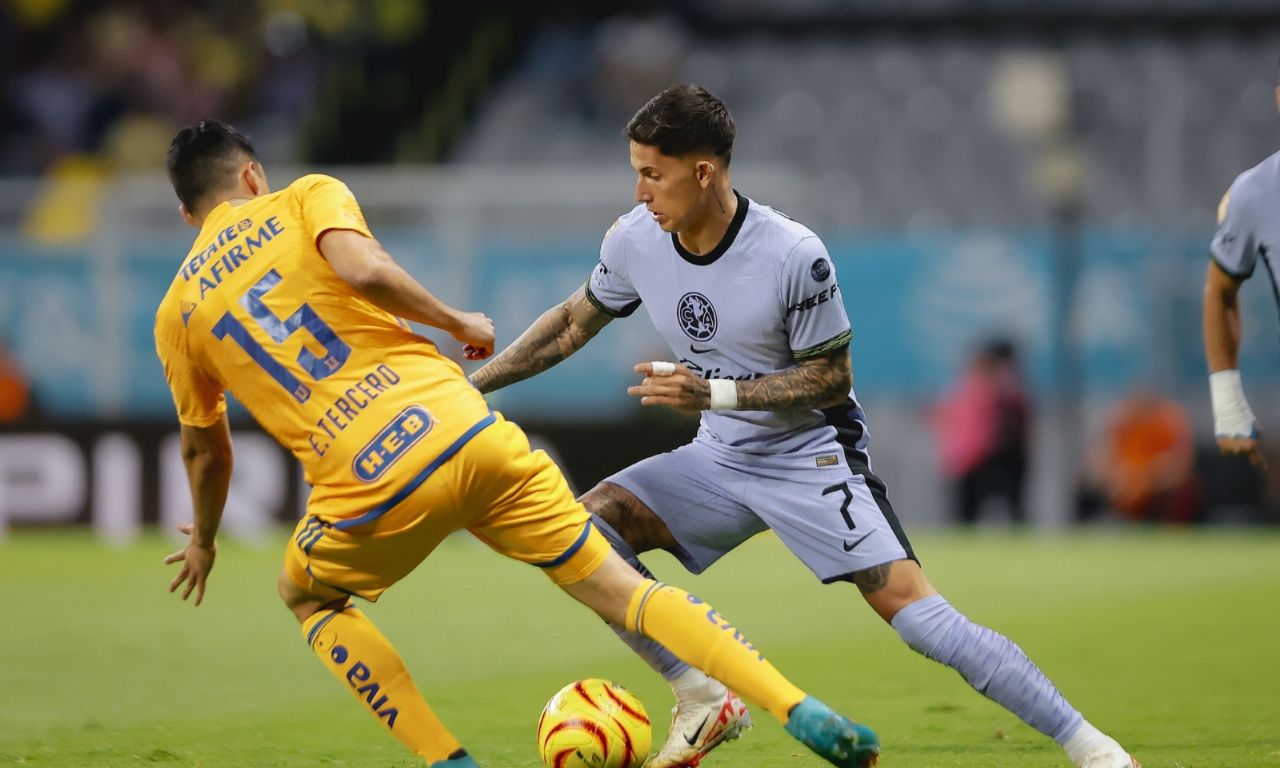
(749, 303)
(1248, 229)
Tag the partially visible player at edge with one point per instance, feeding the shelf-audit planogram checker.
(288, 301)
(749, 303)
(1248, 228)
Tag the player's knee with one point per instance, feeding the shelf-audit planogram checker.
(626, 515)
(891, 587)
(301, 603)
(288, 591)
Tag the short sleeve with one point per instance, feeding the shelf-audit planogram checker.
(1235, 244)
(328, 204)
(816, 321)
(609, 288)
(197, 395)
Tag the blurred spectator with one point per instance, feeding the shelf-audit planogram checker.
(15, 389)
(1142, 468)
(983, 424)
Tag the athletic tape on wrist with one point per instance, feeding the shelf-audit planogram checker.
(724, 394)
(1232, 416)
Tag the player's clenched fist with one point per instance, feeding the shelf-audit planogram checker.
(475, 331)
(673, 385)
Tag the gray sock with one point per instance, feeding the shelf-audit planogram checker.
(990, 662)
(664, 662)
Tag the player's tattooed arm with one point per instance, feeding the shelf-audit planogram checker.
(817, 383)
(558, 333)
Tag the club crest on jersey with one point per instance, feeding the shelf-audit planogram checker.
(697, 317)
(820, 270)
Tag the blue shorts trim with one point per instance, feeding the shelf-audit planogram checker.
(571, 551)
(333, 586)
(419, 479)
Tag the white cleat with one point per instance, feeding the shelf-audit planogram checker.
(699, 727)
(1111, 760)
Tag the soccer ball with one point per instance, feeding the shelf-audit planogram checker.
(594, 723)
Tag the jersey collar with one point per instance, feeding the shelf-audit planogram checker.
(725, 243)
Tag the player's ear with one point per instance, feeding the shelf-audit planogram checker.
(705, 171)
(1278, 97)
(254, 178)
(186, 215)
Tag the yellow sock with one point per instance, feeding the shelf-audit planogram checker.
(357, 653)
(699, 635)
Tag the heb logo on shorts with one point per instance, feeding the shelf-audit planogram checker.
(391, 443)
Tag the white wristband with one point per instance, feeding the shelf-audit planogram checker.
(661, 368)
(1231, 414)
(724, 394)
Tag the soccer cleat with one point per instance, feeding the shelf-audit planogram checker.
(459, 759)
(699, 727)
(833, 736)
(1111, 760)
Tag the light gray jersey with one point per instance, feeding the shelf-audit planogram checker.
(1249, 221)
(764, 300)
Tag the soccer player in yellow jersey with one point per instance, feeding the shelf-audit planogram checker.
(288, 301)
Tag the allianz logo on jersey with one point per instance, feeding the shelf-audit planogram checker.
(392, 442)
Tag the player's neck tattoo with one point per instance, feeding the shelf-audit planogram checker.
(720, 203)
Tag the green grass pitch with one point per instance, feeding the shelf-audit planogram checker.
(1168, 640)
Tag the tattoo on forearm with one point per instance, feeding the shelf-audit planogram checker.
(873, 579)
(537, 349)
(805, 386)
(552, 337)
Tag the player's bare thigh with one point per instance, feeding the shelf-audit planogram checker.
(629, 516)
(305, 603)
(890, 587)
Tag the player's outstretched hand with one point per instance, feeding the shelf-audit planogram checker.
(1249, 446)
(672, 385)
(476, 333)
(197, 561)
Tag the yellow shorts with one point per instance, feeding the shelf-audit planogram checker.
(488, 482)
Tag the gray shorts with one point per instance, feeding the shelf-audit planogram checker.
(827, 507)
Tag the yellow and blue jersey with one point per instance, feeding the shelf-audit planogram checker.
(364, 403)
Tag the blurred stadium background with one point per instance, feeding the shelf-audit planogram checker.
(1045, 173)
(1036, 175)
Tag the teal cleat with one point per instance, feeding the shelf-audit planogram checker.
(459, 759)
(833, 736)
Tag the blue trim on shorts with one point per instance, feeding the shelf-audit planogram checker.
(421, 477)
(334, 586)
(571, 551)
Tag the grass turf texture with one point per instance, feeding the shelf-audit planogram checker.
(1168, 640)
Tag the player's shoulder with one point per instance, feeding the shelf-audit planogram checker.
(169, 328)
(632, 231)
(783, 234)
(1260, 181)
(314, 182)
(636, 223)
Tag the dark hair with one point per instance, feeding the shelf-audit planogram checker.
(684, 119)
(203, 157)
